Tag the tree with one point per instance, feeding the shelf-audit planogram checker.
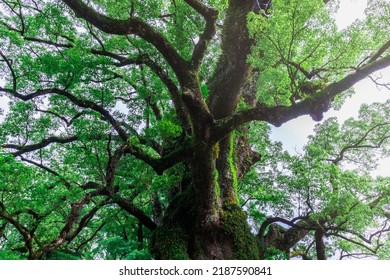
(140, 129)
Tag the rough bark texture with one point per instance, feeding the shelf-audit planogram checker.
(218, 227)
(320, 246)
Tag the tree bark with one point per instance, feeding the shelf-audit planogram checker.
(320, 246)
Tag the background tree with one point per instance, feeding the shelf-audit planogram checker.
(129, 131)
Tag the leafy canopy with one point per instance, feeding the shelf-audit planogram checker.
(96, 144)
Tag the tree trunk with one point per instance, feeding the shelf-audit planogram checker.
(204, 222)
(320, 246)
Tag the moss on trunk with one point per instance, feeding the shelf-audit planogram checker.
(180, 237)
(235, 227)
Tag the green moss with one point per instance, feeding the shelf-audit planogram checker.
(232, 166)
(236, 228)
(217, 186)
(169, 243)
(216, 150)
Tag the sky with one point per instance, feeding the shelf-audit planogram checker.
(293, 134)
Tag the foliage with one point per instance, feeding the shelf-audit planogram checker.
(144, 131)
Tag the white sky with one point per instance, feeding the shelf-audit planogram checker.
(349, 11)
(294, 134)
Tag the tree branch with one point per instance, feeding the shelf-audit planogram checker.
(372, 250)
(163, 76)
(377, 54)
(210, 15)
(314, 106)
(131, 26)
(22, 149)
(49, 170)
(130, 208)
(27, 238)
(66, 233)
(9, 65)
(91, 237)
(75, 100)
(358, 144)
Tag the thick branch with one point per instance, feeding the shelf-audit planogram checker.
(112, 165)
(269, 221)
(85, 220)
(378, 54)
(210, 16)
(314, 106)
(232, 68)
(159, 165)
(21, 149)
(128, 27)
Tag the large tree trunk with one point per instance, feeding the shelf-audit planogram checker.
(205, 220)
(186, 234)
